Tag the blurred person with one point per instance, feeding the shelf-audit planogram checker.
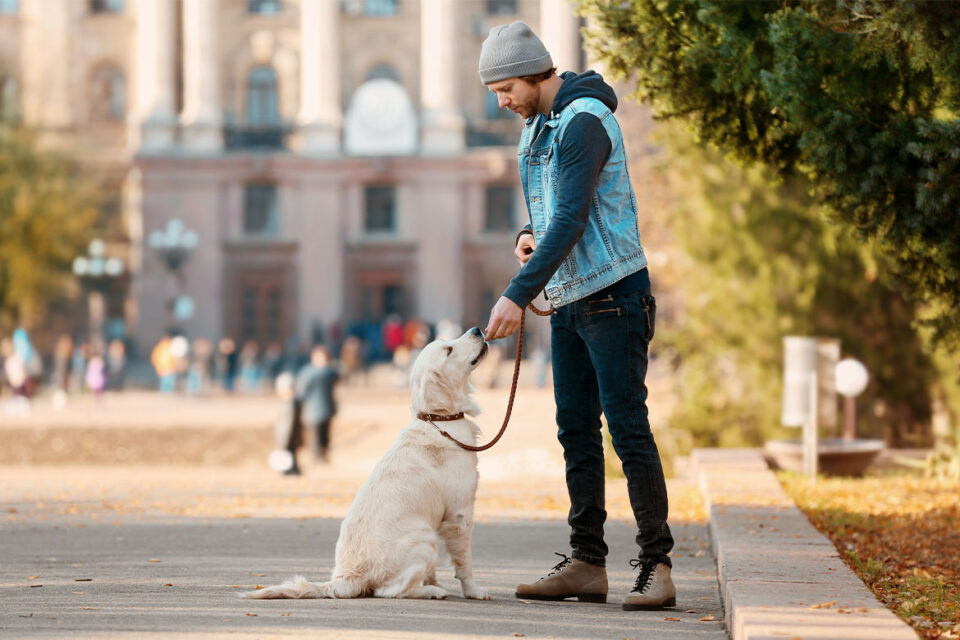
(225, 363)
(273, 361)
(15, 374)
(584, 215)
(392, 333)
(314, 392)
(288, 429)
(78, 367)
(249, 363)
(116, 365)
(351, 357)
(165, 364)
(96, 376)
(30, 357)
(198, 373)
(60, 373)
(180, 352)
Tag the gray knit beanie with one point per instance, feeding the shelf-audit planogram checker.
(512, 51)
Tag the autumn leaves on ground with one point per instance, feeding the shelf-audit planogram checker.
(900, 534)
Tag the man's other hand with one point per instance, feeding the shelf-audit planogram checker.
(525, 247)
(504, 319)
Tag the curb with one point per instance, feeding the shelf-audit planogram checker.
(774, 567)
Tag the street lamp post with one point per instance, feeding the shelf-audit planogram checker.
(174, 244)
(95, 270)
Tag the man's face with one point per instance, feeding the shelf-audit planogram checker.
(520, 96)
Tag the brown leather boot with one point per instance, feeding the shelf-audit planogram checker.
(654, 588)
(569, 579)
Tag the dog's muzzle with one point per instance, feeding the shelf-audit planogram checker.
(480, 356)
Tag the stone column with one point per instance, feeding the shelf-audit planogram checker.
(48, 100)
(155, 74)
(321, 112)
(560, 32)
(443, 124)
(202, 116)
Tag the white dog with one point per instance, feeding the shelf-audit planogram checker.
(420, 493)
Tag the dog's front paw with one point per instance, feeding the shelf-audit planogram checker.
(473, 592)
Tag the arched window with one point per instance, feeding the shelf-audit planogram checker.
(109, 94)
(262, 103)
(382, 71)
(106, 6)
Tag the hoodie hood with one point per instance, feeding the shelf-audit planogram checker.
(588, 84)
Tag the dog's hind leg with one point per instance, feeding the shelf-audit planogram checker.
(456, 535)
(410, 582)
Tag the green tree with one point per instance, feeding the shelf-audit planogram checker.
(860, 96)
(760, 261)
(47, 210)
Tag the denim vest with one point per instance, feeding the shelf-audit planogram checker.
(609, 249)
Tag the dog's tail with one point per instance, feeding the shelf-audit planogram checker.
(299, 587)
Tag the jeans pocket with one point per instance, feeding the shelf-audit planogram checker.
(604, 305)
(649, 304)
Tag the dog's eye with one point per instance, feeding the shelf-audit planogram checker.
(449, 351)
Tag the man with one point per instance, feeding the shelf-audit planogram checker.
(582, 248)
(314, 393)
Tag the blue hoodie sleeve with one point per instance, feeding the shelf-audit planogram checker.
(583, 153)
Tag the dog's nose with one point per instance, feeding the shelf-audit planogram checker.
(476, 331)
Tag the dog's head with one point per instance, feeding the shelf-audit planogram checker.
(439, 378)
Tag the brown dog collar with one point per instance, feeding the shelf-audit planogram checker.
(439, 417)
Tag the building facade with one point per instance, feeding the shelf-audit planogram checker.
(282, 167)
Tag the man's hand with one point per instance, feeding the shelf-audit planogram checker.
(504, 319)
(525, 248)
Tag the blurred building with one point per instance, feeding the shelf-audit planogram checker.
(330, 161)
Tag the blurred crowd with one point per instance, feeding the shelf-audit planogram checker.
(201, 366)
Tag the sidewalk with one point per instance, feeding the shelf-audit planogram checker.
(216, 527)
(779, 576)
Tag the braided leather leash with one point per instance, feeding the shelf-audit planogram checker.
(513, 392)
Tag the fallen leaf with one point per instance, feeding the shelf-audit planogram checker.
(525, 601)
(35, 586)
(672, 619)
(824, 605)
(154, 560)
(690, 611)
(168, 584)
(259, 575)
(32, 577)
(258, 587)
(707, 618)
(252, 615)
(286, 615)
(83, 579)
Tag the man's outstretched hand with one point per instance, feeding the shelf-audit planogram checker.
(504, 319)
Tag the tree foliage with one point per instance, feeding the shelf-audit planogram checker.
(760, 262)
(47, 209)
(860, 96)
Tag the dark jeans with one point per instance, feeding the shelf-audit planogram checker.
(600, 363)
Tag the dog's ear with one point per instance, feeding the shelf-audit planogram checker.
(431, 392)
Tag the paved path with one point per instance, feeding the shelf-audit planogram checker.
(114, 563)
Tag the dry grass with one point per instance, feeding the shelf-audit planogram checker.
(900, 534)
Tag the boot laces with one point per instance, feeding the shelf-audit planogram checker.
(646, 571)
(559, 566)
